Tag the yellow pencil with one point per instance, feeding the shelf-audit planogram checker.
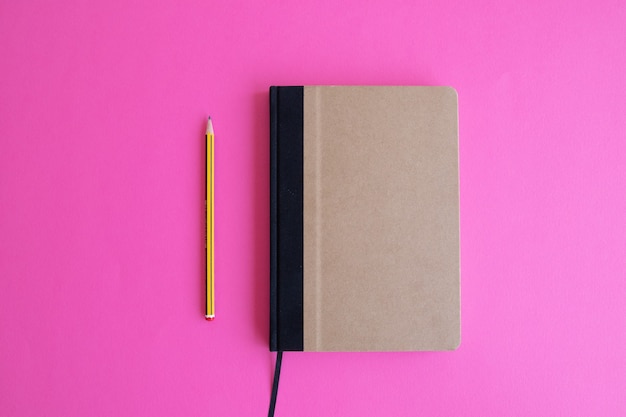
(210, 222)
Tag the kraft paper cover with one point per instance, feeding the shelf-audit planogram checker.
(381, 219)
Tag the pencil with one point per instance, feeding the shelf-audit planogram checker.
(210, 222)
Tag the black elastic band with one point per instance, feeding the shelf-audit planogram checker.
(279, 359)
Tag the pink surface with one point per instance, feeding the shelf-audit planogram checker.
(102, 112)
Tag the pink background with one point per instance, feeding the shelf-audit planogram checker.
(102, 114)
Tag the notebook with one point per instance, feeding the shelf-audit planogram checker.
(364, 219)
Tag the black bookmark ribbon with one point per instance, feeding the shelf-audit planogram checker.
(279, 359)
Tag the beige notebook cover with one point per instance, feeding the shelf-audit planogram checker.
(380, 216)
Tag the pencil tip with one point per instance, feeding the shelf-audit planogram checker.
(209, 125)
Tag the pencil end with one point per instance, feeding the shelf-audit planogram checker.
(210, 318)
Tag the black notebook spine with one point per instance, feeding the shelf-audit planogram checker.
(286, 221)
(273, 219)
